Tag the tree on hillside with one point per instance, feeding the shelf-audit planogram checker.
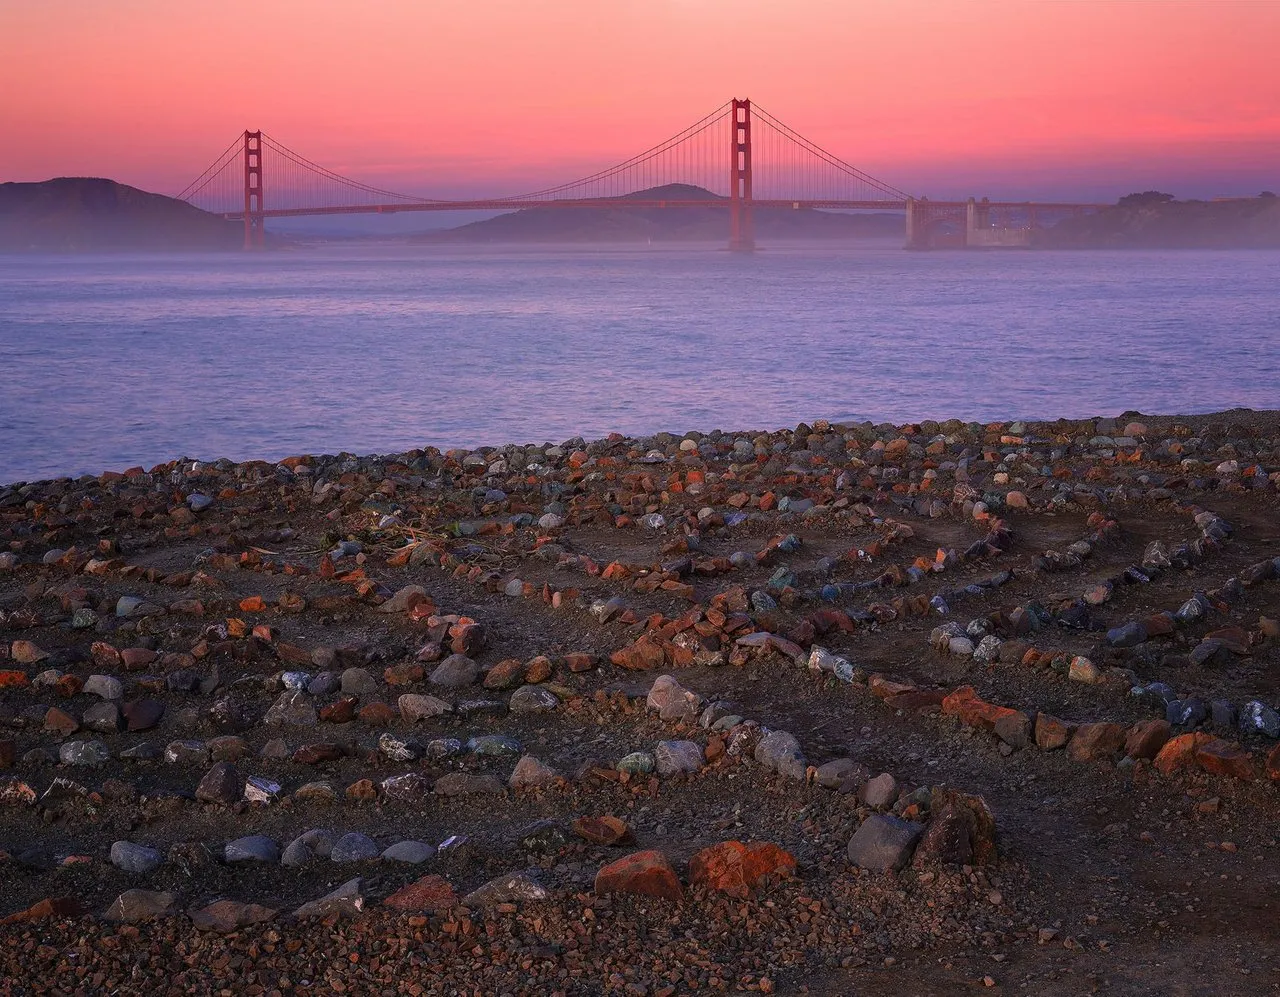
(1147, 199)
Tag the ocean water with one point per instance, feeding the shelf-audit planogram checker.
(111, 361)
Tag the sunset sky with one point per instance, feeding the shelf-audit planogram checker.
(942, 97)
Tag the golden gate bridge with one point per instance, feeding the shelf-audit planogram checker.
(741, 154)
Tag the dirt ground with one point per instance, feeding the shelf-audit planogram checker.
(1115, 870)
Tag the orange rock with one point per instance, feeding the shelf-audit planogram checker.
(1219, 757)
(580, 661)
(1145, 740)
(734, 868)
(1179, 752)
(647, 873)
(1092, 742)
(643, 655)
(430, 893)
(253, 604)
(1051, 733)
(537, 669)
(13, 679)
(406, 673)
(363, 791)
(504, 674)
(606, 830)
(973, 711)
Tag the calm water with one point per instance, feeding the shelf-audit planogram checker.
(106, 362)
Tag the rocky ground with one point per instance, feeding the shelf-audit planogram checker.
(926, 709)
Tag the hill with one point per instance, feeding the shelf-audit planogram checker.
(677, 224)
(77, 214)
(1156, 221)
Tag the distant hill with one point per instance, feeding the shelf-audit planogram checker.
(679, 224)
(75, 214)
(1156, 221)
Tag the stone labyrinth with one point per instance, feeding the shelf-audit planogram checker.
(651, 716)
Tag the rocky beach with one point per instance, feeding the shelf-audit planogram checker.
(935, 708)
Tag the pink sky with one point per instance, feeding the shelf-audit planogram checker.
(444, 97)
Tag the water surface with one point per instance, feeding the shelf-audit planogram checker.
(110, 361)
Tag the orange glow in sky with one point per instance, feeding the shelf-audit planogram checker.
(442, 97)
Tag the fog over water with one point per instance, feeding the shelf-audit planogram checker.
(111, 361)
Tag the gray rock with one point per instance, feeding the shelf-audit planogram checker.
(292, 709)
(1259, 718)
(89, 754)
(399, 602)
(130, 857)
(455, 672)
(677, 757)
(1129, 634)
(672, 700)
(139, 905)
(354, 847)
(346, 899)
(104, 686)
(529, 773)
(506, 890)
(407, 788)
(221, 784)
(358, 682)
(308, 846)
(103, 717)
(884, 843)
(323, 684)
(186, 753)
(533, 699)
(880, 792)
(253, 848)
(411, 852)
(493, 745)
(780, 751)
(415, 706)
(843, 774)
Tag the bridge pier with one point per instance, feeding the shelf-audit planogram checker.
(742, 236)
(255, 232)
(917, 226)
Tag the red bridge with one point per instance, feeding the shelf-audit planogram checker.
(743, 155)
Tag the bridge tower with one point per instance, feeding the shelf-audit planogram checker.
(742, 237)
(254, 228)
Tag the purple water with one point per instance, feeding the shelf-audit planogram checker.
(110, 361)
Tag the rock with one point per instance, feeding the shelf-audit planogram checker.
(490, 745)
(404, 599)
(884, 843)
(737, 869)
(504, 674)
(1145, 740)
(1092, 742)
(677, 757)
(533, 699)
(780, 751)
(253, 848)
(139, 905)
(409, 852)
(359, 683)
(347, 899)
(1130, 634)
(230, 915)
(1260, 718)
(467, 783)
(87, 754)
(134, 858)
(607, 830)
(104, 686)
(260, 790)
(530, 773)
(354, 847)
(1179, 752)
(1084, 670)
(221, 784)
(455, 672)
(672, 700)
(314, 844)
(429, 894)
(414, 707)
(647, 873)
(102, 717)
(511, 889)
(880, 792)
(1218, 757)
(411, 787)
(292, 709)
(399, 749)
(1051, 733)
(60, 722)
(843, 774)
(1014, 729)
(948, 839)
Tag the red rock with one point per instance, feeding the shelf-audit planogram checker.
(377, 714)
(607, 830)
(69, 685)
(537, 669)
(57, 721)
(430, 893)
(1273, 764)
(49, 907)
(643, 655)
(973, 711)
(1145, 740)
(884, 687)
(363, 791)
(13, 679)
(580, 661)
(504, 674)
(1219, 757)
(342, 711)
(1179, 752)
(647, 873)
(406, 673)
(315, 754)
(736, 868)
(1051, 733)
(137, 658)
(1092, 742)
